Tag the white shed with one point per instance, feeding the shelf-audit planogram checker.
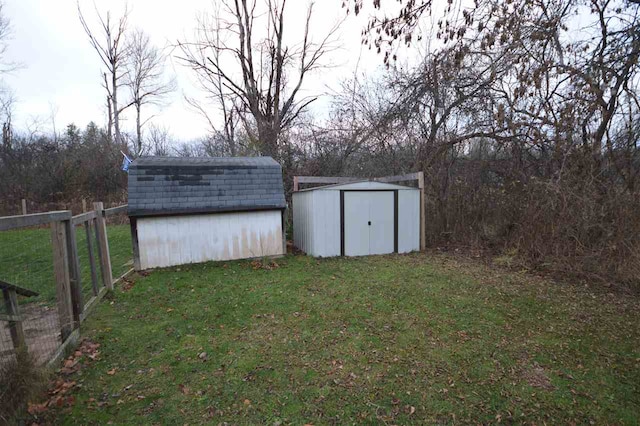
(189, 210)
(357, 219)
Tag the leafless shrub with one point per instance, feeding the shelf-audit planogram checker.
(21, 381)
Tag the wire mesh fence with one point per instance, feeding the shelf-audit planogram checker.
(90, 268)
(26, 260)
(53, 264)
(6, 346)
(120, 247)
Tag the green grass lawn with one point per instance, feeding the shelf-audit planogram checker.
(395, 339)
(26, 258)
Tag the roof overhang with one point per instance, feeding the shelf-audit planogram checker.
(137, 213)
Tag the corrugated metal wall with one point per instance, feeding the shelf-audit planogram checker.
(177, 240)
(408, 221)
(303, 219)
(326, 227)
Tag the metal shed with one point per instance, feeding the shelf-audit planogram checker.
(357, 219)
(190, 210)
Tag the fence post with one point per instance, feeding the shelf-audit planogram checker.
(24, 206)
(15, 322)
(61, 271)
(134, 241)
(103, 242)
(423, 216)
(74, 271)
(84, 205)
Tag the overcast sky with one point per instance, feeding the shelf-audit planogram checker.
(61, 72)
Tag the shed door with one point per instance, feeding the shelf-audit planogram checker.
(356, 228)
(369, 222)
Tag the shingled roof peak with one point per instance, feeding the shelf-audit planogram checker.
(206, 161)
(189, 185)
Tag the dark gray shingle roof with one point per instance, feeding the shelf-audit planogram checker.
(173, 185)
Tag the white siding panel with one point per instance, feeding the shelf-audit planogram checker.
(326, 220)
(381, 216)
(309, 223)
(177, 240)
(408, 221)
(303, 221)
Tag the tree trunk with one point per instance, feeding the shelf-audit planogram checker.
(110, 118)
(268, 140)
(114, 101)
(138, 129)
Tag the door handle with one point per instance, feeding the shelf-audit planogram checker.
(369, 223)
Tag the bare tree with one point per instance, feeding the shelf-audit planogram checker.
(7, 99)
(158, 140)
(262, 75)
(211, 32)
(5, 33)
(109, 42)
(145, 77)
(7, 104)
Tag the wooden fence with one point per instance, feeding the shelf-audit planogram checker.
(12, 316)
(73, 306)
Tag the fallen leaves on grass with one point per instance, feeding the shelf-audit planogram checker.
(212, 412)
(86, 349)
(127, 284)
(57, 397)
(266, 265)
(60, 387)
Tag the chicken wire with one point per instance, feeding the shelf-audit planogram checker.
(120, 247)
(26, 260)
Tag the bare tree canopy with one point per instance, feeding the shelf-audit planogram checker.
(145, 78)
(108, 40)
(252, 71)
(7, 99)
(158, 140)
(5, 33)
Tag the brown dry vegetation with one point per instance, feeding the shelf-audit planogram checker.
(20, 382)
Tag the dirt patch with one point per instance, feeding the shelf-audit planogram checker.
(41, 329)
(537, 377)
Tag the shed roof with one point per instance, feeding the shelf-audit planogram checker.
(365, 185)
(177, 185)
